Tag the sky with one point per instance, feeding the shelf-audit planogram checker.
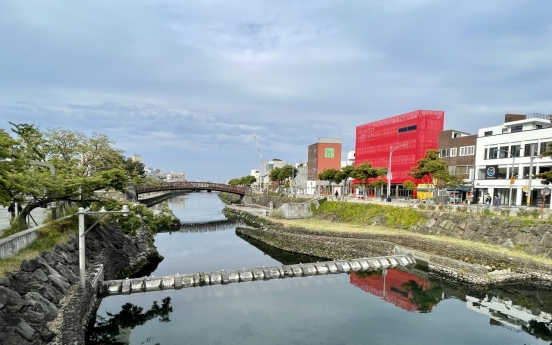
(190, 84)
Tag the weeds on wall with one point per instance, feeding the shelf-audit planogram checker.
(366, 214)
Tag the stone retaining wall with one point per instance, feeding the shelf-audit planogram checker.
(460, 264)
(42, 303)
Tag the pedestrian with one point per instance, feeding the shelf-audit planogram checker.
(11, 210)
(336, 194)
(487, 200)
(496, 201)
(389, 198)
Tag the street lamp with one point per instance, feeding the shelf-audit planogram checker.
(83, 232)
(511, 174)
(389, 174)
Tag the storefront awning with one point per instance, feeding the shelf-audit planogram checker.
(460, 189)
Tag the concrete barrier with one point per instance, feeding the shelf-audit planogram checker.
(11, 245)
(128, 286)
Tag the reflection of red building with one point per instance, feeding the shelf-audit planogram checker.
(390, 287)
(419, 130)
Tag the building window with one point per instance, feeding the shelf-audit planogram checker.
(516, 129)
(452, 170)
(453, 152)
(488, 133)
(467, 150)
(515, 150)
(408, 129)
(485, 154)
(443, 153)
(503, 152)
(493, 153)
(544, 147)
(539, 126)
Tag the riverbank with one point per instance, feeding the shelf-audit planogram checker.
(42, 302)
(459, 260)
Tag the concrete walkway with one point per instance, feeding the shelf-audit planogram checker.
(38, 215)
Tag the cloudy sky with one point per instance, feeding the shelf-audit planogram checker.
(188, 84)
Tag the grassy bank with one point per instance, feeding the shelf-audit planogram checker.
(51, 235)
(333, 226)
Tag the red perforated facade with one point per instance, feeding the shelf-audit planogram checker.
(419, 130)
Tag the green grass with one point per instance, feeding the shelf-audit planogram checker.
(325, 225)
(49, 236)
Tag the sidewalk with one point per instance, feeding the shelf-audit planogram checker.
(37, 213)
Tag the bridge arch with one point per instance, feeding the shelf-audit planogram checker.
(190, 185)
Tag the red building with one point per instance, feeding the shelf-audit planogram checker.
(419, 130)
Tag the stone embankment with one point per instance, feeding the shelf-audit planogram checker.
(42, 302)
(461, 264)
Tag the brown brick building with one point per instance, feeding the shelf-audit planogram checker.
(457, 149)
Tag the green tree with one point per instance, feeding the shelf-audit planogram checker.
(346, 172)
(331, 175)
(247, 180)
(430, 168)
(74, 179)
(366, 175)
(409, 185)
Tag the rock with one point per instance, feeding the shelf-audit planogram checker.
(12, 339)
(9, 297)
(28, 266)
(4, 281)
(59, 283)
(430, 223)
(42, 305)
(24, 330)
(39, 274)
(546, 240)
(508, 244)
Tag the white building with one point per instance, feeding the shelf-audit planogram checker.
(350, 159)
(504, 151)
(136, 158)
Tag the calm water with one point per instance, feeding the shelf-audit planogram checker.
(391, 307)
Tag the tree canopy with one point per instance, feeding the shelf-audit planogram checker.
(243, 181)
(430, 167)
(368, 176)
(82, 165)
(546, 176)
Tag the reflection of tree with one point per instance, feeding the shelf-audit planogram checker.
(424, 299)
(366, 274)
(539, 330)
(108, 330)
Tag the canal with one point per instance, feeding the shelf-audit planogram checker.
(383, 307)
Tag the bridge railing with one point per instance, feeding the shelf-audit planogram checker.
(191, 185)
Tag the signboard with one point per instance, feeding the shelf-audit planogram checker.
(329, 152)
(491, 172)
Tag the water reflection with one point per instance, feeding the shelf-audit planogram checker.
(403, 289)
(116, 328)
(503, 312)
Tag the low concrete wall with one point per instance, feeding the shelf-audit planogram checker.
(298, 210)
(11, 245)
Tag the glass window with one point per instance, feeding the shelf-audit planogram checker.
(502, 173)
(485, 154)
(515, 150)
(443, 153)
(516, 129)
(481, 174)
(539, 126)
(467, 150)
(488, 133)
(453, 152)
(527, 150)
(452, 170)
(493, 151)
(526, 171)
(544, 147)
(503, 152)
